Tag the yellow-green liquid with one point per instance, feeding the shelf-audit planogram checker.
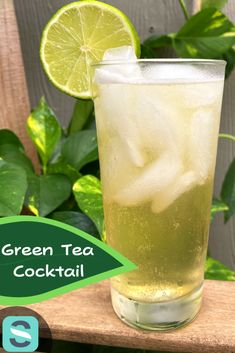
(157, 147)
(169, 248)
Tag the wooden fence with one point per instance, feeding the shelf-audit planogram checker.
(149, 17)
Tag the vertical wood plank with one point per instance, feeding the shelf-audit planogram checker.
(14, 101)
(222, 240)
(32, 17)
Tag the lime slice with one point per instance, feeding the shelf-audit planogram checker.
(77, 36)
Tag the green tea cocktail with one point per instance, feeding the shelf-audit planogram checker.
(157, 124)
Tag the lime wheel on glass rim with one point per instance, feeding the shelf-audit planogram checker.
(76, 37)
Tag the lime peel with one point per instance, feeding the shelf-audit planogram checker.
(72, 41)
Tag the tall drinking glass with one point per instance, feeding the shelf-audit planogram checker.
(157, 124)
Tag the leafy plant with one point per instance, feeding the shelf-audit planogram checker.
(46, 192)
(67, 188)
(62, 156)
(80, 148)
(13, 185)
(87, 192)
(44, 130)
(218, 4)
(215, 270)
(207, 34)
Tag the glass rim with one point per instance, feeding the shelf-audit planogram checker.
(161, 61)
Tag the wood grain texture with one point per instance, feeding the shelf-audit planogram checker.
(14, 101)
(86, 316)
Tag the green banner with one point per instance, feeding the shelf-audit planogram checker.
(41, 258)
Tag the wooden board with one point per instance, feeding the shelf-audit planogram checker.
(86, 316)
(14, 100)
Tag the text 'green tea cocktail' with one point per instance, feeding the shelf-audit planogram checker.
(157, 125)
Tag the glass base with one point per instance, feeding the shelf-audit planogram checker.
(161, 316)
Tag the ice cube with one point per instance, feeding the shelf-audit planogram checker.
(114, 114)
(200, 95)
(153, 178)
(148, 72)
(183, 183)
(126, 71)
(157, 119)
(142, 129)
(203, 141)
(118, 169)
(133, 149)
(124, 53)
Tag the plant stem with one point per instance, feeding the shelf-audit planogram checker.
(227, 136)
(44, 169)
(184, 9)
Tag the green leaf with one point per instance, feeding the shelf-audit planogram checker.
(46, 192)
(44, 130)
(83, 110)
(91, 124)
(87, 192)
(218, 4)
(12, 154)
(8, 137)
(56, 155)
(217, 206)
(158, 41)
(208, 34)
(228, 191)
(80, 148)
(229, 57)
(65, 169)
(76, 219)
(13, 185)
(216, 270)
(147, 52)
